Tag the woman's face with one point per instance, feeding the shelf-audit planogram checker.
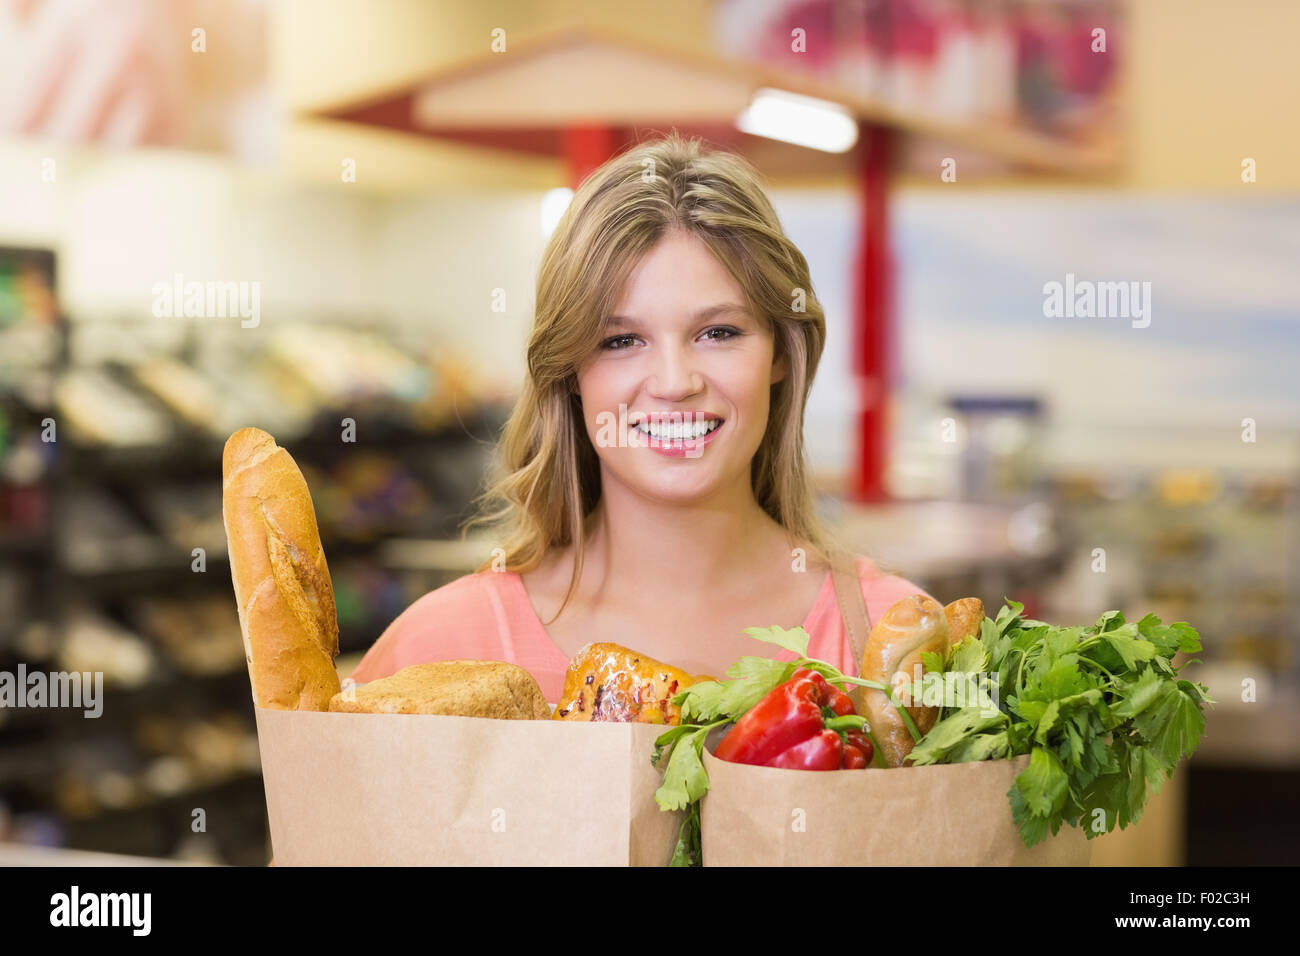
(675, 395)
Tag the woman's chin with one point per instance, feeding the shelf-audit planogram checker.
(679, 488)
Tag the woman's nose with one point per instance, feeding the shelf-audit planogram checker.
(674, 375)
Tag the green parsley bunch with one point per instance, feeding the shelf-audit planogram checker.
(1099, 710)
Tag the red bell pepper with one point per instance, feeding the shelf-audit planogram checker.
(799, 725)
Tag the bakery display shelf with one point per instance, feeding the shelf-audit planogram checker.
(1209, 547)
(22, 854)
(122, 704)
(198, 457)
(480, 425)
(173, 570)
(168, 561)
(171, 578)
(236, 778)
(24, 761)
(106, 582)
(23, 545)
(125, 701)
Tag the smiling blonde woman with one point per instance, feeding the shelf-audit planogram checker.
(652, 489)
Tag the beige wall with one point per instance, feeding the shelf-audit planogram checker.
(1208, 83)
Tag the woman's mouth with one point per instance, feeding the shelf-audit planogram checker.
(679, 439)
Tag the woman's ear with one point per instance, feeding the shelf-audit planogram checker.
(780, 368)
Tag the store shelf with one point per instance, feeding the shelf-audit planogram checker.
(524, 102)
(190, 457)
(1260, 735)
(21, 854)
(23, 546)
(112, 570)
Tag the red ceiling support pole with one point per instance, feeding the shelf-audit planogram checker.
(873, 317)
(586, 147)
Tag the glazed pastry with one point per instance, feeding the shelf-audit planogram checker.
(610, 682)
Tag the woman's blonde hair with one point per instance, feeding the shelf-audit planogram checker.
(548, 474)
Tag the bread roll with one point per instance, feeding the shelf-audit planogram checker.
(282, 584)
(456, 688)
(911, 627)
(964, 617)
(610, 682)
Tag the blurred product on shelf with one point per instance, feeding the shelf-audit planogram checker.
(24, 504)
(93, 533)
(249, 392)
(1030, 64)
(1269, 494)
(92, 642)
(96, 408)
(29, 316)
(208, 748)
(307, 377)
(1179, 488)
(999, 439)
(339, 366)
(368, 598)
(1193, 545)
(1269, 651)
(24, 460)
(200, 636)
(187, 393)
(164, 757)
(458, 391)
(189, 516)
(12, 586)
(366, 495)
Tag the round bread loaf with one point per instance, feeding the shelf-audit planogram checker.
(452, 688)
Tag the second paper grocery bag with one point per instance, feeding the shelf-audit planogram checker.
(425, 790)
(947, 815)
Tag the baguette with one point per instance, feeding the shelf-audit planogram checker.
(282, 584)
(911, 627)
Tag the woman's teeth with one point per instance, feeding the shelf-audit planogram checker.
(679, 431)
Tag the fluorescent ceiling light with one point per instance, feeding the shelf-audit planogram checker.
(802, 120)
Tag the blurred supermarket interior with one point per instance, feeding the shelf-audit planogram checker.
(385, 173)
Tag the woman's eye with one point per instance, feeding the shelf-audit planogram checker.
(719, 333)
(730, 333)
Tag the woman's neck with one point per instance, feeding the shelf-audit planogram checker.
(657, 549)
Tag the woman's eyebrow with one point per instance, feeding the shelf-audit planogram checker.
(625, 321)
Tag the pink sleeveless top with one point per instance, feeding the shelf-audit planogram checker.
(488, 616)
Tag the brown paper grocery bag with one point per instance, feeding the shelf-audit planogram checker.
(945, 815)
(418, 789)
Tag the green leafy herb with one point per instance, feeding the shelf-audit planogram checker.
(687, 851)
(684, 778)
(1098, 710)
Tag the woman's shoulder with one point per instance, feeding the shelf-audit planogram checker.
(482, 598)
(882, 587)
(468, 591)
(470, 610)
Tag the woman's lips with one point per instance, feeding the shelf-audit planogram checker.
(682, 447)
